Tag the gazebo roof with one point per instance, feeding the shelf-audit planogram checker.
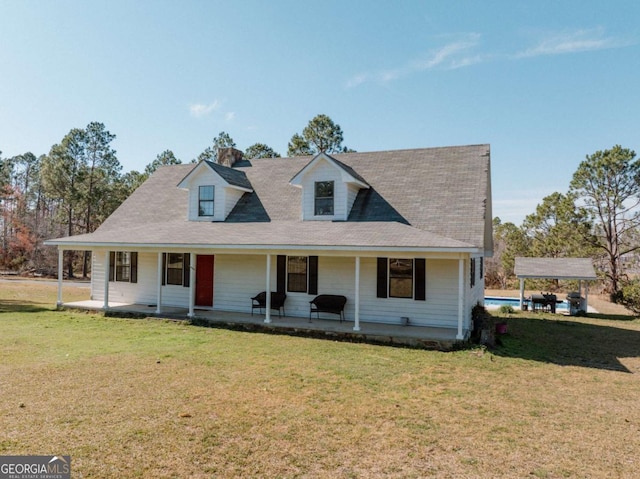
(555, 268)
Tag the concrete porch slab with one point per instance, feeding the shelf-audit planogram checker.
(326, 328)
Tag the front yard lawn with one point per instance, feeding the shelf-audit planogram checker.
(164, 399)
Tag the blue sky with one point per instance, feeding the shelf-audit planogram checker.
(544, 82)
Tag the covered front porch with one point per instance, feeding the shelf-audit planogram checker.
(377, 333)
(239, 275)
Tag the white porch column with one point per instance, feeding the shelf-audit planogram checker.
(159, 285)
(60, 274)
(356, 326)
(461, 277)
(107, 267)
(192, 284)
(267, 317)
(521, 293)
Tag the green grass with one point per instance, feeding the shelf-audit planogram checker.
(155, 399)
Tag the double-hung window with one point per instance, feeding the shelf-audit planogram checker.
(174, 268)
(123, 266)
(400, 278)
(297, 274)
(323, 204)
(206, 200)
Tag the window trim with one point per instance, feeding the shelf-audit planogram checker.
(206, 202)
(316, 198)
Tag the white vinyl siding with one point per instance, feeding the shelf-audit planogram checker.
(142, 292)
(352, 192)
(232, 196)
(440, 308)
(238, 278)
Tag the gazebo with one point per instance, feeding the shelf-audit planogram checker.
(580, 269)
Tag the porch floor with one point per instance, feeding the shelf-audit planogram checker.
(413, 336)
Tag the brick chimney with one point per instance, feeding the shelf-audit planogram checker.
(228, 156)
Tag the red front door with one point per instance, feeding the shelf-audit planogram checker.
(204, 280)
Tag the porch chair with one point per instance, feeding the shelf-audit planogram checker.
(327, 303)
(259, 301)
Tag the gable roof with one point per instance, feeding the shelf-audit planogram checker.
(424, 198)
(355, 177)
(232, 176)
(555, 268)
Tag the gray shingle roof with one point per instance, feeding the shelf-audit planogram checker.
(349, 170)
(428, 198)
(555, 268)
(230, 175)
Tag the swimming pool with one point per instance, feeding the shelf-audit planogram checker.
(494, 302)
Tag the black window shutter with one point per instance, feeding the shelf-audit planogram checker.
(281, 273)
(420, 286)
(313, 275)
(134, 267)
(112, 265)
(472, 273)
(382, 278)
(164, 268)
(186, 269)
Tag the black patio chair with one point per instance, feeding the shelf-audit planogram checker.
(259, 301)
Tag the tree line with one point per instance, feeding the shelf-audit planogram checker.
(72, 189)
(598, 217)
(75, 186)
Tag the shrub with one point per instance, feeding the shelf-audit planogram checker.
(506, 309)
(629, 296)
(483, 326)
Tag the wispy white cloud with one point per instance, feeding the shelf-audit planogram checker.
(199, 110)
(356, 80)
(230, 115)
(461, 51)
(449, 56)
(572, 42)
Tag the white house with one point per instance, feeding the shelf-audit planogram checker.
(400, 234)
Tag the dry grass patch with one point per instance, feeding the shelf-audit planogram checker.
(162, 399)
(33, 295)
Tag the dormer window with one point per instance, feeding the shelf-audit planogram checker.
(329, 189)
(205, 200)
(323, 198)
